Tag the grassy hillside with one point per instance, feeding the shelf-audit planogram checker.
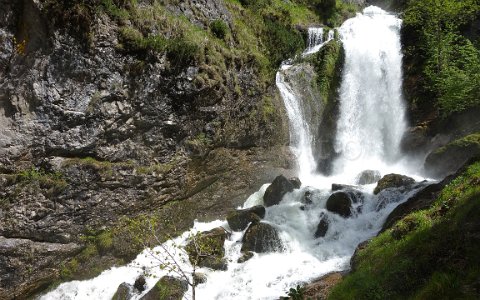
(429, 254)
(442, 57)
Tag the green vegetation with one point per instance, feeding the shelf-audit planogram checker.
(444, 59)
(219, 29)
(429, 254)
(296, 293)
(328, 62)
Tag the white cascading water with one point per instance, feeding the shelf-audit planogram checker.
(316, 39)
(371, 118)
(371, 122)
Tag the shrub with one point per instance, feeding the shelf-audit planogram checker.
(219, 28)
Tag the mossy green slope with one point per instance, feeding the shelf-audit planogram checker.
(429, 254)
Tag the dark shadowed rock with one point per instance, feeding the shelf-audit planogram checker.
(167, 288)
(238, 220)
(275, 192)
(322, 227)
(340, 203)
(139, 284)
(124, 292)
(261, 238)
(368, 177)
(393, 181)
(354, 259)
(295, 181)
(207, 249)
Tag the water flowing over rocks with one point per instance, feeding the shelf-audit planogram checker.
(322, 227)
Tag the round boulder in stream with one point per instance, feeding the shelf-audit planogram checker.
(279, 187)
(340, 203)
(238, 220)
(393, 181)
(260, 238)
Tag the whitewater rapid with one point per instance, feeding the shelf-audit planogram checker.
(371, 122)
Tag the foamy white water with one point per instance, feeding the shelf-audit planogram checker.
(371, 119)
(372, 110)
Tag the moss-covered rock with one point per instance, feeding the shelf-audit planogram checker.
(167, 288)
(206, 249)
(393, 181)
(452, 156)
(261, 238)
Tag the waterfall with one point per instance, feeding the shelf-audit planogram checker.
(369, 129)
(301, 137)
(316, 39)
(372, 110)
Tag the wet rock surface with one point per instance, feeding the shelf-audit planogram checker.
(206, 249)
(92, 133)
(341, 202)
(261, 238)
(275, 191)
(393, 181)
(322, 226)
(238, 220)
(124, 292)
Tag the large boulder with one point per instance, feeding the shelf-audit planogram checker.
(322, 227)
(140, 283)
(261, 238)
(275, 192)
(341, 202)
(449, 158)
(238, 220)
(368, 177)
(206, 249)
(124, 292)
(393, 181)
(167, 288)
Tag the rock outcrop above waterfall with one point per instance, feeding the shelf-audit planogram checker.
(238, 220)
(260, 238)
(112, 109)
(275, 191)
(393, 181)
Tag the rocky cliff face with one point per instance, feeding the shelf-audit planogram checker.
(94, 129)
